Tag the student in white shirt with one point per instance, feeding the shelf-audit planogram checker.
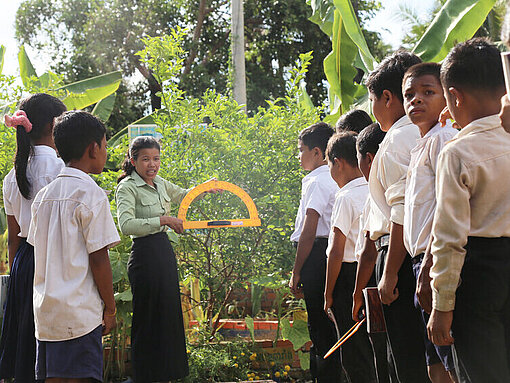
(394, 272)
(367, 145)
(71, 231)
(423, 102)
(471, 226)
(35, 165)
(311, 239)
(356, 354)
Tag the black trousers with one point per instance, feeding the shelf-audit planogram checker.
(321, 329)
(157, 333)
(481, 320)
(403, 325)
(357, 356)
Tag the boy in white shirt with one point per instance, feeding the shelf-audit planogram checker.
(71, 231)
(394, 273)
(471, 228)
(356, 354)
(311, 239)
(423, 102)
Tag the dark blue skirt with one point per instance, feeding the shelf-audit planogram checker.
(17, 343)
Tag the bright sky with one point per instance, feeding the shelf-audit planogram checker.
(386, 22)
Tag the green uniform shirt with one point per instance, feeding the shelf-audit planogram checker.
(140, 205)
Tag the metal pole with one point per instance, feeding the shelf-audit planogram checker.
(238, 65)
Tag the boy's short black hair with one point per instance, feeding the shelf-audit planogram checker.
(343, 146)
(316, 136)
(423, 69)
(353, 121)
(369, 139)
(74, 131)
(389, 73)
(473, 65)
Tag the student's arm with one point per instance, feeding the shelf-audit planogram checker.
(423, 289)
(394, 259)
(304, 248)
(366, 265)
(335, 259)
(13, 240)
(102, 273)
(450, 230)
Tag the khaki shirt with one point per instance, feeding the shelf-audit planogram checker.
(473, 199)
(140, 205)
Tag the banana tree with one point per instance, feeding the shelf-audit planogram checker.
(99, 90)
(457, 20)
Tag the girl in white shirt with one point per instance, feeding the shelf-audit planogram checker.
(36, 164)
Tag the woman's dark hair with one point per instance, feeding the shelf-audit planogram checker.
(369, 139)
(139, 143)
(41, 109)
(353, 121)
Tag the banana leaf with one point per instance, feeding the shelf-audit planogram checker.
(26, 69)
(351, 25)
(104, 108)
(90, 91)
(323, 14)
(2, 55)
(339, 69)
(457, 21)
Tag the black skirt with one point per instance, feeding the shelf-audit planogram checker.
(17, 344)
(157, 335)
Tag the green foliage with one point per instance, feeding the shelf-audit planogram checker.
(219, 362)
(256, 153)
(457, 21)
(297, 334)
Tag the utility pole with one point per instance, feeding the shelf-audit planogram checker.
(238, 65)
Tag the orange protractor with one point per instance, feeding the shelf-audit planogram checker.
(254, 219)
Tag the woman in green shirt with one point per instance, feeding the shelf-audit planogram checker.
(143, 206)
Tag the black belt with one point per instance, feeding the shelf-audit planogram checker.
(382, 241)
(317, 240)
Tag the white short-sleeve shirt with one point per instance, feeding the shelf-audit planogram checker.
(388, 175)
(420, 195)
(71, 219)
(348, 207)
(363, 222)
(43, 167)
(318, 191)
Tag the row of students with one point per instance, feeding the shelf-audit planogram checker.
(407, 240)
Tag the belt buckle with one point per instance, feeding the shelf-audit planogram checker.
(383, 240)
